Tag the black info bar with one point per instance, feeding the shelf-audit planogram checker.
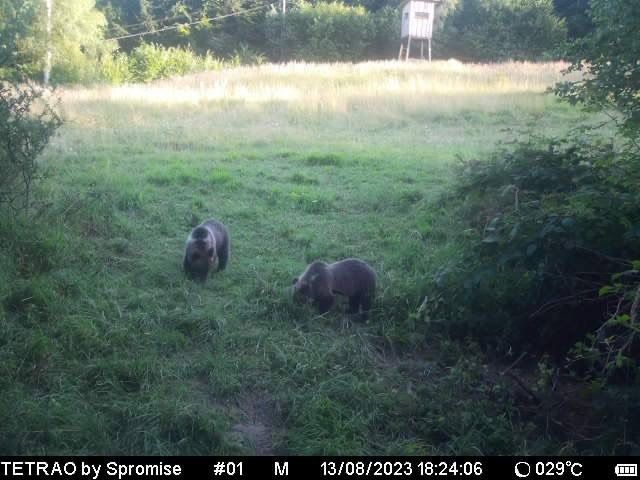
(480, 468)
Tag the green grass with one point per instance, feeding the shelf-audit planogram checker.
(105, 348)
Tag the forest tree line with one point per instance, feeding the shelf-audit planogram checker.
(139, 40)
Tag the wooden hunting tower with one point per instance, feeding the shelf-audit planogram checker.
(417, 24)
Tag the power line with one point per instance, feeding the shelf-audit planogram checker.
(174, 27)
(151, 20)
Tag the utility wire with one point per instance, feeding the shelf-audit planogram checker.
(151, 20)
(174, 27)
(146, 22)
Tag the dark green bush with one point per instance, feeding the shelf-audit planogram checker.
(494, 30)
(386, 39)
(544, 229)
(576, 15)
(329, 32)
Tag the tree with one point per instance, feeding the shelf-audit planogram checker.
(222, 36)
(21, 37)
(609, 60)
(78, 40)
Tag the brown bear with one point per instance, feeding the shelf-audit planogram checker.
(322, 281)
(207, 249)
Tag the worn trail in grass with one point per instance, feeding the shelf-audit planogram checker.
(108, 349)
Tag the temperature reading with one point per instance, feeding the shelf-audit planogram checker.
(558, 469)
(548, 469)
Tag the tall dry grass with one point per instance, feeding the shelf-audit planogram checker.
(442, 85)
(444, 107)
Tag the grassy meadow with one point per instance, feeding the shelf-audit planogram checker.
(105, 347)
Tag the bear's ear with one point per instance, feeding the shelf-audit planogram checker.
(295, 280)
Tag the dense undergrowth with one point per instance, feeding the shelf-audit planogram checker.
(549, 227)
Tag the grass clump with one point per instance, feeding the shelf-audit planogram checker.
(326, 160)
(301, 179)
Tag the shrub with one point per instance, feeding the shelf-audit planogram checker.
(545, 229)
(245, 55)
(26, 120)
(576, 15)
(608, 57)
(386, 38)
(116, 69)
(27, 123)
(150, 62)
(491, 30)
